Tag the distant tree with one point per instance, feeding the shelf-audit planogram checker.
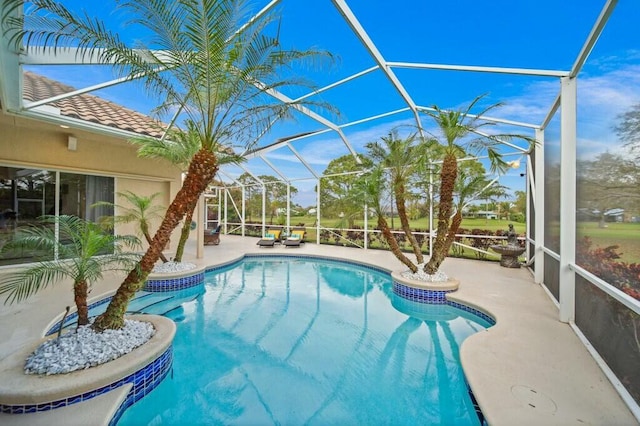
(521, 202)
(253, 194)
(628, 129)
(335, 190)
(606, 182)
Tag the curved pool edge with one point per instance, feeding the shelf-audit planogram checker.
(22, 393)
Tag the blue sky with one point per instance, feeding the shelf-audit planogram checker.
(545, 34)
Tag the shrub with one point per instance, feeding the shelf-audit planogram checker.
(603, 262)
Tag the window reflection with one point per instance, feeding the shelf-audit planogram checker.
(28, 194)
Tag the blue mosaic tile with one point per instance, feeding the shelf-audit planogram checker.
(476, 312)
(161, 368)
(172, 284)
(420, 295)
(157, 370)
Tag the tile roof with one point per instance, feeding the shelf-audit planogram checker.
(89, 107)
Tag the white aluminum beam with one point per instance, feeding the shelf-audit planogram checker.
(338, 83)
(360, 32)
(491, 119)
(375, 117)
(251, 174)
(539, 207)
(551, 113)
(306, 111)
(606, 12)
(10, 70)
(567, 277)
(509, 144)
(303, 161)
(265, 149)
(109, 83)
(274, 168)
(493, 70)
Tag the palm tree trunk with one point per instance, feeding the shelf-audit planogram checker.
(145, 232)
(80, 293)
(448, 176)
(393, 244)
(184, 235)
(202, 169)
(453, 229)
(404, 221)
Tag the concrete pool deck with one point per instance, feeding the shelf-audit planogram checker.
(529, 369)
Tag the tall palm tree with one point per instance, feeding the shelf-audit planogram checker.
(460, 133)
(369, 188)
(198, 58)
(140, 211)
(178, 148)
(81, 252)
(401, 157)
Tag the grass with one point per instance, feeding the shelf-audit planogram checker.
(423, 223)
(624, 235)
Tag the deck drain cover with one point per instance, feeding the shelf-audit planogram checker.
(534, 399)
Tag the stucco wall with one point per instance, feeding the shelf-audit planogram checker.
(30, 143)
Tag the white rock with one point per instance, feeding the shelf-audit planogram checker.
(438, 277)
(84, 348)
(167, 267)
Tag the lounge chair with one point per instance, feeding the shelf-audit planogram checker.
(212, 236)
(267, 241)
(295, 239)
(276, 233)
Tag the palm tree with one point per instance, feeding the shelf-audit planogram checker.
(460, 132)
(179, 148)
(197, 57)
(401, 157)
(369, 188)
(81, 251)
(141, 211)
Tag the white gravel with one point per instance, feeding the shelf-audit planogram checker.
(167, 267)
(84, 348)
(438, 277)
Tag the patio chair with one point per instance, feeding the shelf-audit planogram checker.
(295, 238)
(212, 236)
(277, 234)
(267, 241)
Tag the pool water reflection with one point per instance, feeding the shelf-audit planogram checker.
(301, 341)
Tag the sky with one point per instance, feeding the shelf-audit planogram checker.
(542, 35)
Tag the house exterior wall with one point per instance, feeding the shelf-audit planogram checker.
(35, 144)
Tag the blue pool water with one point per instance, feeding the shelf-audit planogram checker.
(300, 341)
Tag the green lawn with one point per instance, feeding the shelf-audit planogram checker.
(624, 235)
(423, 223)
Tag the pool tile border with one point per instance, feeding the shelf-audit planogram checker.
(143, 380)
(174, 283)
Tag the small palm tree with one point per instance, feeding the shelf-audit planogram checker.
(400, 157)
(459, 133)
(81, 251)
(140, 211)
(201, 60)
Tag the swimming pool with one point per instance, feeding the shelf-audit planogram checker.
(304, 341)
